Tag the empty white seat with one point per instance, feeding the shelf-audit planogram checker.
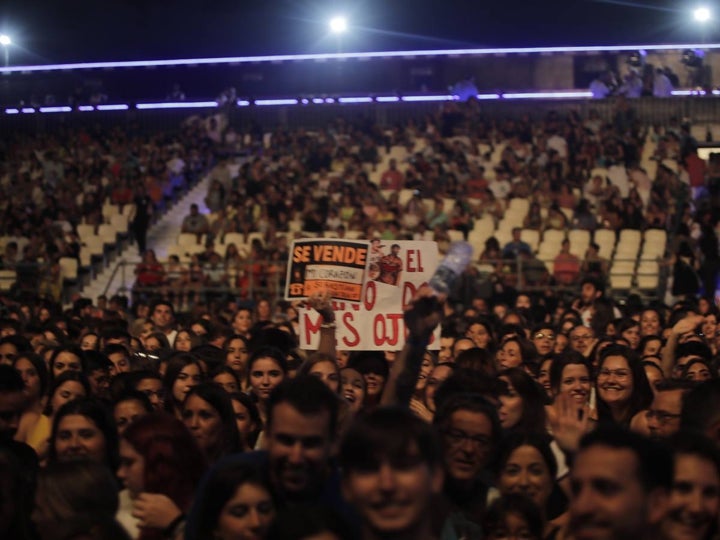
(630, 237)
(531, 237)
(108, 233)
(186, 239)
(648, 275)
(519, 205)
(605, 239)
(68, 268)
(84, 231)
(7, 279)
(120, 223)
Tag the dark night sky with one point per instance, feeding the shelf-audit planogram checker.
(83, 30)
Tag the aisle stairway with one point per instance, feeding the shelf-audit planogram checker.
(118, 277)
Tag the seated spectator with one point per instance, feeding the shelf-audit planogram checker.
(195, 222)
(392, 178)
(516, 246)
(566, 269)
(149, 273)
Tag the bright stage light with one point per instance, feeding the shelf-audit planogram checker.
(338, 25)
(5, 40)
(702, 14)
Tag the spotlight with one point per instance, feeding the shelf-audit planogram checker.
(338, 25)
(702, 14)
(5, 40)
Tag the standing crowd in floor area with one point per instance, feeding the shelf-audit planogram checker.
(520, 423)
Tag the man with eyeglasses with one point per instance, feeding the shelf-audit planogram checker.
(663, 417)
(582, 339)
(150, 384)
(469, 429)
(543, 337)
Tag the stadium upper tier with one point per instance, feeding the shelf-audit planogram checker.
(494, 72)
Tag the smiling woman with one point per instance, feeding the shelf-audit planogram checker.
(84, 428)
(622, 386)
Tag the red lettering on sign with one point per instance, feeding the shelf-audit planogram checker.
(370, 296)
(409, 291)
(348, 321)
(413, 261)
(386, 329)
(311, 327)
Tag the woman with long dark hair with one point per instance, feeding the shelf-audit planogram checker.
(622, 386)
(208, 413)
(84, 428)
(522, 402)
(229, 486)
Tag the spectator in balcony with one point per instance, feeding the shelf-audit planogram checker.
(583, 218)
(392, 178)
(662, 86)
(594, 266)
(149, 273)
(533, 220)
(476, 183)
(215, 199)
(556, 219)
(144, 209)
(567, 266)
(516, 246)
(122, 194)
(195, 222)
(565, 197)
(603, 86)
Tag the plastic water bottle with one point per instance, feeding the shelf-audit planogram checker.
(454, 263)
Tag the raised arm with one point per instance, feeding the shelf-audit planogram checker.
(422, 316)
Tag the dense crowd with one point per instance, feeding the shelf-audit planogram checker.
(51, 183)
(534, 416)
(462, 167)
(585, 421)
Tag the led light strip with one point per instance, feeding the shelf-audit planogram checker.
(178, 105)
(510, 96)
(355, 55)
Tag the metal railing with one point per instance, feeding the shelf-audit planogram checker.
(250, 279)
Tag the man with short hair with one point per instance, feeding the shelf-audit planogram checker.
(620, 483)
(447, 341)
(543, 337)
(701, 410)
(162, 315)
(392, 472)
(299, 435)
(98, 370)
(391, 266)
(663, 417)
(195, 222)
(149, 383)
(469, 431)
(119, 356)
(582, 339)
(516, 246)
